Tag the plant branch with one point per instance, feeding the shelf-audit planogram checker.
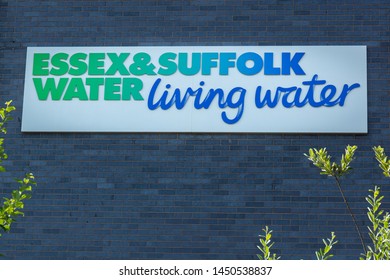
(352, 215)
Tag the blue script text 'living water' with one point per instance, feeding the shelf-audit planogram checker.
(295, 96)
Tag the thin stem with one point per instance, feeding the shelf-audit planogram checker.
(352, 215)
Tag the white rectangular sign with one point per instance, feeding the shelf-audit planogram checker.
(277, 89)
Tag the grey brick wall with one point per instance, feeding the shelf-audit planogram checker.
(188, 196)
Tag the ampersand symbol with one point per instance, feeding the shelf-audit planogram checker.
(142, 65)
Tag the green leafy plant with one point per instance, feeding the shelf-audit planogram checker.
(322, 160)
(324, 254)
(379, 231)
(11, 207)
(265, 246)
(4, 118)
(384, 162)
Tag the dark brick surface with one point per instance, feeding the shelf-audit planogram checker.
(188, 196)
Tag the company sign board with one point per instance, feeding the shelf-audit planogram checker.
(265, 89)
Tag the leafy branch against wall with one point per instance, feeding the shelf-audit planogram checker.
(10, 208)
(378, 231)
(322, 160)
